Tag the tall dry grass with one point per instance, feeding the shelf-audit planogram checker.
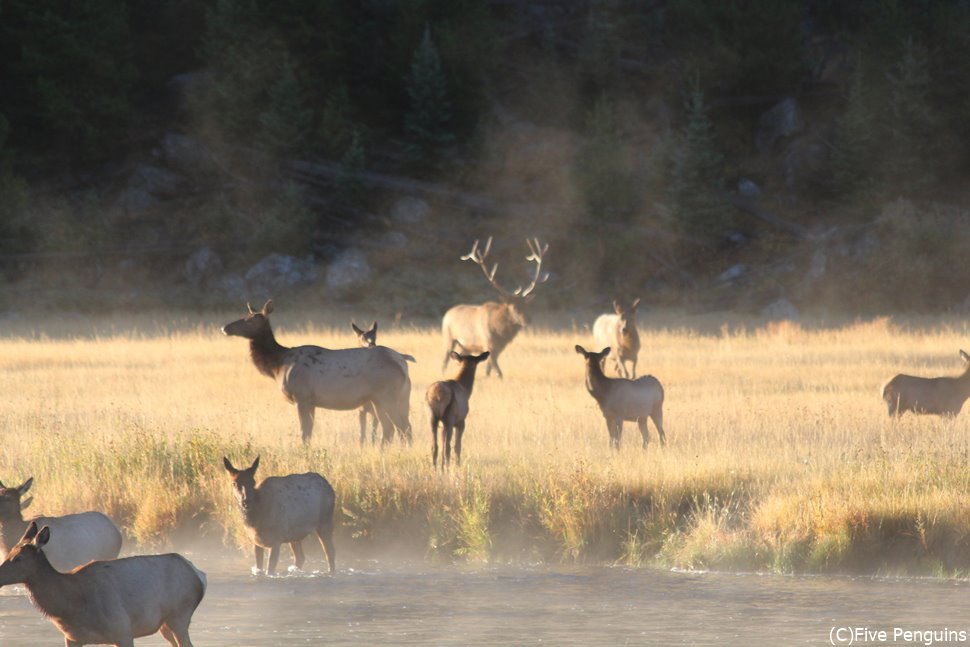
(780, 455)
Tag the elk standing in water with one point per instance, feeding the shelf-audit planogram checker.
(619, 332)
(346, 379)
(448, 400)
(492, 325)
(79, 538)
(620, 399)
(368, 339)
(284, 510)
(108, 602)
(943, 396)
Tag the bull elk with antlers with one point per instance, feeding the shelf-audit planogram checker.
(492, 325)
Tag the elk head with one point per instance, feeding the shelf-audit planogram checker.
(252, 325)
(366, 338)
(23, 559)
(628, 316)
(592, 357)
(518, 299)
(10, 503)
(243, 483)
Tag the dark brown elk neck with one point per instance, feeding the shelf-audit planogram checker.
(11, 530)
(53, 593)
(596, 382)
(256, 513)
(466, 376)
(267, 353)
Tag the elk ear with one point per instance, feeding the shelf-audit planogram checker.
(483, 356)
(580, 350)
(31, 531)
(252, 468)
(617, 307)
(26, 502)
(373, 328)
(636, 302)
(229, 468)
(604, 352)
(966, 358)
(455, 356)
(249, 307)
(267, 307)
(353, 324)
(43, 537)
(26, 486)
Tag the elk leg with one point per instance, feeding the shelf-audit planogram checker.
(658, 419)
(306, 420)
(176, 632)
(259, 558)
(434, 442)
(362, 417)
(459, 430)
(274, 558)
(644, 431)
(634, 376)
(168, 635)
(387, 427)
(325, 533)
(449, 346)
(373, 431)
(124, 642)
(298, 557)
(493, 361)
(447, 440)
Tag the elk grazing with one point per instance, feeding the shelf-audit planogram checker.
(448, 400)
(368, 339)
(284, 509)
(79, 538)
(623, 400)
(492, 325)
(942, 396)
(346, 379)
(108, 602)
(619, 332)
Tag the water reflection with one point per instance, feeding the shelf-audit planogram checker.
(415, 604)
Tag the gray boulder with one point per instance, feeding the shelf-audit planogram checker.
(185, 153)
(748, 189)
(780, 121)
(277, 273)
(732, 273)
(348, 270)
(410, 211)
(202, 267)
(780, 310)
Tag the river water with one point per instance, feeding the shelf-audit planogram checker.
(376, 603)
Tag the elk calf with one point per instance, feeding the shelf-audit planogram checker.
(448, 400)
(79, 538)
(624, 400)
(284, 509)
(368, 339)
(942, 396)
(619, 332)
(108, 602)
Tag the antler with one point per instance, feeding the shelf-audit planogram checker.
(478, 257)
(537, 251)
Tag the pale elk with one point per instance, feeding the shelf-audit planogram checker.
(492, 325)
(344, 380)
(619, 332)
(943, 396)
(623, 400)
(78, 538)
(368, 339)
(284, 510)
(108, 602)
(448, 401)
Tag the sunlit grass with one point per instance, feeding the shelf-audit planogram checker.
(780, 453)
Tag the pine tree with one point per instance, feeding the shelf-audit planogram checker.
(287, 121)
(911, 122)
(854, 151)
(696, 175)
(603, 167)
(427, 123)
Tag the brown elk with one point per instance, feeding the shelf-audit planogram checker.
(368, 339)
(108, 602)
(448, 400)
(284, 509)
(943, 396)
(346, 379)
(623, 400)
(492, 325)
(619, 332)
(79, 538)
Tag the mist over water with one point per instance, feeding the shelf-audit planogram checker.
(400, 603)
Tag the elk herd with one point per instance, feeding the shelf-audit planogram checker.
(69, 564)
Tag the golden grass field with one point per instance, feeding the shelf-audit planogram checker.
(780, 453)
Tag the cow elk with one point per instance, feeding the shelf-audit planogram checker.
(284, 509)
(619, 332)
(108, 602)
(78, 538)
(448, 400)
(492, 325)
(942, 396)
(623, 400)
(368, 339)
(346, 379)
